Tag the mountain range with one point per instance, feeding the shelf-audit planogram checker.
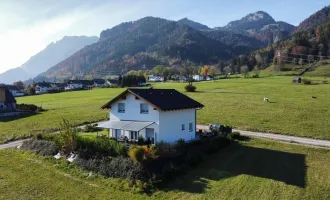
(50, 56)
(151, 41)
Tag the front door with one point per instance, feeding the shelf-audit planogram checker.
(150, 134)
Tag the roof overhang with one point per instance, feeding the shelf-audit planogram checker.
(125, 125)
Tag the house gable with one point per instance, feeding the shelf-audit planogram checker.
(161, 99)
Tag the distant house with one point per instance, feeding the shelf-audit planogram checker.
(87, 84)
(209, 78)
(74, 85)
(43, 87)
(99, 82)
(198, 77)
(296, 79)
(154, 114)
(59, 86)
(112, 82)
(7, 100)
(153, 78)
(15, 91)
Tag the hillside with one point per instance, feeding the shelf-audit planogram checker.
(240, 43)
(51, 55)
(300, 49)
(314, 20)
(143, 43)
(193, 24)
(261, 26)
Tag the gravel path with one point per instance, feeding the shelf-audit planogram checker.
(299, 140)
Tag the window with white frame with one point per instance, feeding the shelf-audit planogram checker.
(190, 127)
(121, 107)
(144, 108)
(182, 127)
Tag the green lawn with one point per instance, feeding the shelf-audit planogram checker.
(257, 169)
(235, 101)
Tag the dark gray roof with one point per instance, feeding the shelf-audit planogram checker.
(83, 82)
(9, 87)
(163, 99)
(113, 81)
(44, 84)
(99, 81)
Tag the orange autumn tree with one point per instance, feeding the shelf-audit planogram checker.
(204, 71)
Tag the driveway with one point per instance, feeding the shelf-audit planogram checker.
(286, 138)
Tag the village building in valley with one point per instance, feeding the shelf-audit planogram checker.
(154, 114)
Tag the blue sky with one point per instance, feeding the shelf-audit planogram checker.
(28, 26)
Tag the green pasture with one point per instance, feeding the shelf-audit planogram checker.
(234, 101)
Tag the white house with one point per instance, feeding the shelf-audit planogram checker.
(43, 87)
(15, 91)
(99, 82)
(74, 85)
(156, 114)
(198, 77)
(153, 78)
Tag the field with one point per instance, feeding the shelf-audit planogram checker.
(257, 169)
(235, 101)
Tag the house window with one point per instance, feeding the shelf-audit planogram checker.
(134, 135)
(144, 108)
(121, 107)
(190, 127)
(182, 127)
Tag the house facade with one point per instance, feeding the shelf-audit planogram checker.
(153, 78)
(99, 82)
(43, 87)
(155, 114)
(198, 77)
(15, 91)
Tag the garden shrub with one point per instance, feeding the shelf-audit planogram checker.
(194, 158)
(306, 81)
(99, 146)
(140, 140)
(164, 148)
(137, 154)
(42, 147)
(91, 128)
(67, 137)
(92, 164)
(180, 146)
(121, 167)
(190, 88)
(29, 107)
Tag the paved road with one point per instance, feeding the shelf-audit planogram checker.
(300, 140)
(13, 144)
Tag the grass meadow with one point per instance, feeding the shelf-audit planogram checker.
(255, 169)
(235, 101)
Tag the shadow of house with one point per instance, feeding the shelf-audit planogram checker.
(289, 168)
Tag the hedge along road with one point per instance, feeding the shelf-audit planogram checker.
(293, 139)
